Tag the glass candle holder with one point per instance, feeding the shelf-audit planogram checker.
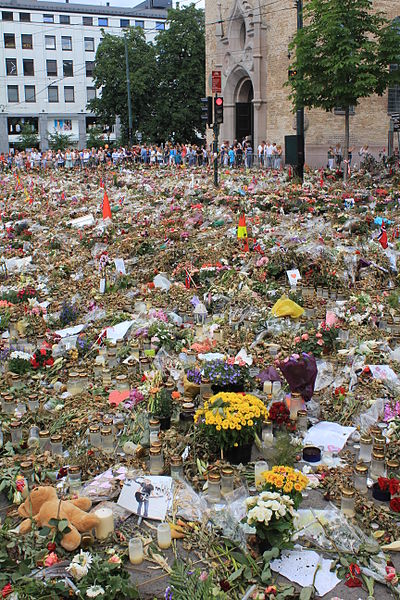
(33, 403)
(365, 452)
(259, 468)
(267, 433)
(44, 440)
(227, 480)
(74, 476)
(205, 387)
(94, 436)
(164, 536)
(276, 386)
(16, 381)
(9, 405)
(155, 427)
(33, 437)
(122, 383)
(56, 445)
(98, 367)
(377, 468)
(27, 471)
(302, 420)
(107, 439)
(16, 432)
(267, 387)
(135, 551)
(73, 384)
(347, 505)
(214, 487)
(296, 404)
(106, 377)
(112, 360)
(176, 467)
(393, 468)
(360, 478)
(156, 461)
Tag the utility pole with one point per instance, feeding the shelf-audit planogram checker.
(128, 86)
(215, 152)
(300, 109)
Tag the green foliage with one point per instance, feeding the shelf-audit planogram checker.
(110, 75)
(185, 582)
(59, 141)
(283, 453)
(181, 72)
(161, 405)
(28, 138)
(20, 366)
(95, 138)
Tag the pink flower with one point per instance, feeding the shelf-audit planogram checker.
(115, 559)
(203, 576)
(320, 342)
(51, 559)
(296, 340)
(304, 336)
(318, 335)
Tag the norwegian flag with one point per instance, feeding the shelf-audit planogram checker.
(383, 238)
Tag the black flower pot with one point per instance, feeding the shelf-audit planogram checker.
(235, 388)
(238, 454)
(378, 494)
(165, 423)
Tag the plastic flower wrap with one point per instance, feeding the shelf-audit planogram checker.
(287, 480)
(231, 419)
(300, 371)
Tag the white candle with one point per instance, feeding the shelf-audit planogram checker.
(268, 387)
(259, 468)
(164, 535)
(106, 524)
(136, 551)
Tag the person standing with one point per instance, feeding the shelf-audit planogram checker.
(331, 158)
(338, 155)
(268, 155)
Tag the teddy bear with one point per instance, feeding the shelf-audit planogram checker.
(42, 504)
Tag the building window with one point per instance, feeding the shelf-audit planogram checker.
(68, 69)
(339, 110)
(25, 17)
(29, 70)
(69, 93)
(30, 93)
(160, 25)
(89, 68)
(52, 93)
(103, 21)
(394, 95)
(50, 42)
(87, 20)
(89, 44)
(51, 67)
(139, 24)
(124, 22)
(9, 40)
(12, 93)
(91, 93)
(48, 18)
(26, 41)
(66, 42)
(11, 66)
(7, 16)
(65, 19)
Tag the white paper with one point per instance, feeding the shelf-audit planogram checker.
(16, 265)
(82, 221)
(118, 332)
(299, 566)
(69, 331)
(120, 265)
(293, 276)
(382, 372)
(102, 285)
(331, 436)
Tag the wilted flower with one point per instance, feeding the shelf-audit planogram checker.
(95, 590)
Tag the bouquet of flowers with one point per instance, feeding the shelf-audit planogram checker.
(272, 516)
(42, 358)
(287, 480)
(26, 293)
(300, 371)
(230, 419)
(279, 413)
(225, 375)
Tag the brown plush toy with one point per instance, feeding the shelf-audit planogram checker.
(42, 505)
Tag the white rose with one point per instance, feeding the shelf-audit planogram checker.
(77, 571)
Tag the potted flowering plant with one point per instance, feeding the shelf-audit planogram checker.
(191, 382)
(271, 514)
(287, 480)
(161, 406)
(42, 358)
(225, 376)
(230, 422)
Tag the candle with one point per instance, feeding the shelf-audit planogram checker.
(259, 468)
(135, 551)
(267, 387)
(106, 524)
(164, 535)
(276, 388)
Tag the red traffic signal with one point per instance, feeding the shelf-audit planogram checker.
(218, 110)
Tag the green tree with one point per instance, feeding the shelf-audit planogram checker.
(181, 73)
(342, 54)
(59, 141)
(110, 76)
(95, 138)
(28, 138)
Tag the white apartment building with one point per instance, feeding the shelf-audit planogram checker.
(47, 52)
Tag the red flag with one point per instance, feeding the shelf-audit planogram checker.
(106, 207)
(383, 238)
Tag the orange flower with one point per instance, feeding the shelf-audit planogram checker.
(175, 395)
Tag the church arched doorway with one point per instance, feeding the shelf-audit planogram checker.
(244, 109)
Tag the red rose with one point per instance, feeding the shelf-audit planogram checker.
(394, 486)
(395, 504)
(383, 483)
(51, 546)
(43, 352)
(7, 590)
(49, 362)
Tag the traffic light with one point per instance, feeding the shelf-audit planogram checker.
(218, 110)
(292, 73)
(206, 110)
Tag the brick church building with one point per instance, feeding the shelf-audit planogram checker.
(247, 40)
